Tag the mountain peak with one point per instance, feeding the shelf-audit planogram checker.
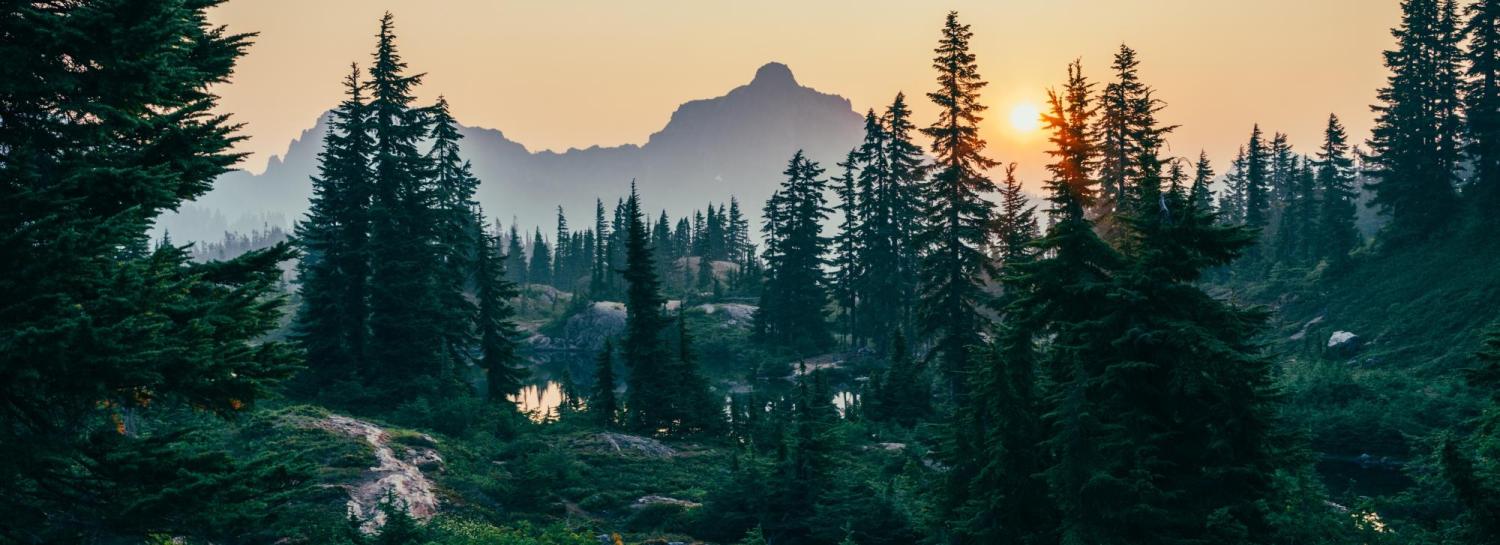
(774, 74)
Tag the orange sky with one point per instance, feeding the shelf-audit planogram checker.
(559, 74)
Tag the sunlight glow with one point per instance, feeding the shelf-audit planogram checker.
(1025, 117)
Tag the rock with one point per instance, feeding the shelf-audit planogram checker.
(390, 474)
(588, 329)
(653, 499)
(734, 313)
(1343, 343)
(646, 445)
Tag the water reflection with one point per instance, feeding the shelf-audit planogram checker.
(541, 400)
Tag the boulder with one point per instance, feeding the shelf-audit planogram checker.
(1343, 344)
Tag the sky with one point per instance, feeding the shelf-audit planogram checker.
(569, 73)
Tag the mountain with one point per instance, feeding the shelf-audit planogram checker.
(710, 149)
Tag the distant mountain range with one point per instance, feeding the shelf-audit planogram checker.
(736, 144)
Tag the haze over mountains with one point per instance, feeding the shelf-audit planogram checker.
(736, 144)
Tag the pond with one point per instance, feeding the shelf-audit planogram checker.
(543, 393)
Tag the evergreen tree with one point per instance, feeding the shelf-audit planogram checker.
(738, 237)
(406, 325)
(847, 251)
(1118, 109)
(541, 261)
(902, 203)
(333, 271)
(792, 304)
(1257, 185)
(515, 255)
(457, 235)
(108, 121)
(1232, 201)
(1413, 154)
(1015, 226)
(496, 328)
(1200, 194)
(957, 216)
(695, 409)
(562, 274)
(1297, 227)
(1336, 235)
(604, 406)
(648, 393)
(1481, 94)
(600, 272)
(1469, 465)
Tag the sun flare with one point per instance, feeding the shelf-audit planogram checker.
(1025, 117)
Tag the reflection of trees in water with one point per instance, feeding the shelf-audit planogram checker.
(543, 387)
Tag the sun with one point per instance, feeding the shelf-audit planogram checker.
(1025, 117)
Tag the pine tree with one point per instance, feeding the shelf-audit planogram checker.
(648, 402)
(1118, 108)
(1469, 464)
(562, 274)
(540, 268)
(1336, 235)
(458, 234)
(494, 322)
(847, 252)
(1297, 227)
(333, 271)
(1232, 201)
(406, 335)
(1413, 157)
(604, 406)
(120, 126)
(600, 272)
(957, 217)
(1200, 194)
(792, 312)
(902, 203)
(1257, 184)
(515, 255)
(1481, 94)
(1015, 226)
(695, 409)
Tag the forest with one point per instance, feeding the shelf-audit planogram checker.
(903, 346)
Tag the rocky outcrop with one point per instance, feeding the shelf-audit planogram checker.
(645, 501)
(398, 472)
(1343, 344)
(647, 446)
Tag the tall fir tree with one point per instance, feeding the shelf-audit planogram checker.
(120, 126)
(334, 270)
(515, 255)
(847, 253)
(494, 323)
(958, 218)
(599, 272)
(539, 271)
(1336, 234)
(1200, 193)
(1232, 199)
(1481, 94)
(604, 405)
(1118, 109)
(406, 336)
(648, 402)
(457, 235)
(1015, 226)
(1257, 190)
(1413, 157)
(903, 204)
(562, 274)
(792, 312)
